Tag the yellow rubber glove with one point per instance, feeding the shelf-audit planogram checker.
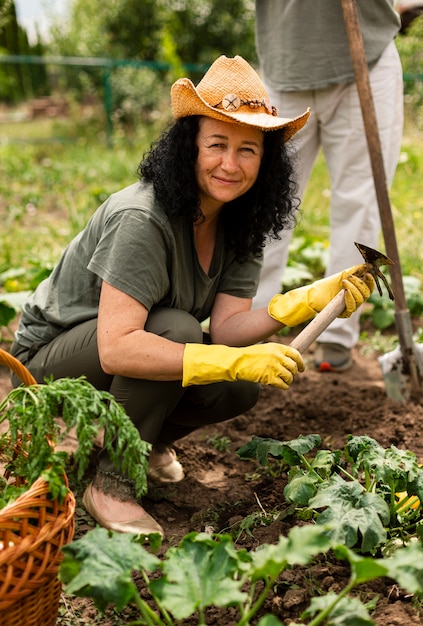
(267, 363)
(299, 305)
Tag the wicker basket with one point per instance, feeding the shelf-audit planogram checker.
(33, 530)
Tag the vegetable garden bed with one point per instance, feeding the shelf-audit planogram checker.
(222, 493)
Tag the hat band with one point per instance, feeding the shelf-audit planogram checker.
(231, 102)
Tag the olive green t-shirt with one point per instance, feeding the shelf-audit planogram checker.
(303, 44)
(130, 243)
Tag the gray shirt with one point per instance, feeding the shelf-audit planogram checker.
(130, 243)
(302, 44)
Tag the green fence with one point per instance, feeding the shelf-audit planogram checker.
(107, 66)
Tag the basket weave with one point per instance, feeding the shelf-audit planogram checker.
(33, 530)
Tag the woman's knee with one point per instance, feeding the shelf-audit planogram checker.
(174, 324)
(246, 396)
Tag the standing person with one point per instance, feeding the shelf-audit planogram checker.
(305, 60)
(124, 305)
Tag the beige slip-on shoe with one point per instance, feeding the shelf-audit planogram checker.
(145, 524)
(171, 472)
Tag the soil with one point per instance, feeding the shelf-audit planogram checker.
(216, 493)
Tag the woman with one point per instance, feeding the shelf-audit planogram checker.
(125, 304)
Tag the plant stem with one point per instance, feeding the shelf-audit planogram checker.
(167, 618)
(245, 620)
(311, 469)
(368, 480)
(347, 474)
(399, 506)
(151, 619)
(326, 612)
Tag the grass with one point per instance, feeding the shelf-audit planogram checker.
(49, 189)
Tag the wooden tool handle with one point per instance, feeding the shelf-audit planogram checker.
(412, 360)
(319, 323)
(362, 78)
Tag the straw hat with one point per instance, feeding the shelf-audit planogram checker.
(231, 91)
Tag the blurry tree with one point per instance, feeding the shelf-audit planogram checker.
(173, 32)
(125, 29)
(130, 29)
(18, 81)
(205, 29)
(134, 29)
(117, 29)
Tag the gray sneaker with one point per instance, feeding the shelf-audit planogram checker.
(332, 357)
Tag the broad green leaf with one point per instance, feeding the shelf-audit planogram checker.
(324, 462)
(363, 568)
(350, 512)
(7, 314)
(302, 543)
(100, 566)
(304, 443)
(360, 443)
(306, 541)
(301, 487)
(415, 487)
(289, 451)
(347, 524)
(337, 490)
(376, 502)
(406, 567)
(406, 461)
(200, 572)
(347, 612)
(269, 560)
(342, 530)
(392, 467)
(259, 448)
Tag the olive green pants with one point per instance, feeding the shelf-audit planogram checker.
(162, 411)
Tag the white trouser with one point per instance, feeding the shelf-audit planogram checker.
(336, 126)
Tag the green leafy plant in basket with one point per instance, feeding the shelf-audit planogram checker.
(28, 447)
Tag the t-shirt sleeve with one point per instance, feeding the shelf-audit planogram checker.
(132, 256)
(241, 279)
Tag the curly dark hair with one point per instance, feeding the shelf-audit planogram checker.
(265, 210)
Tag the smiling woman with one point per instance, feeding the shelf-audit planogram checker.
(228, 163)
(126, 302)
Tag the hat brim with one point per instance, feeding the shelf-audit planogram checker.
(186, 101)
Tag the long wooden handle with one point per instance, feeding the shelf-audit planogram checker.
(413, 362)
(362, 79)
(319, 323)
